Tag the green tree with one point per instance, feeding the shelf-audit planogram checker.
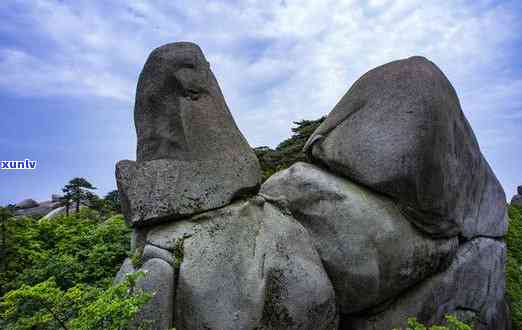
(514, 265)
(77, 191)
(65, 201)
(81, 248)
(452, 323)
(5, 214)
(289, 151)
(112, 201)
(47, 306)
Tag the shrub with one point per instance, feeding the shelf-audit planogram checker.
(514, 265)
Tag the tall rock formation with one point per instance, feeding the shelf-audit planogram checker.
(400, 216)
(191, 157)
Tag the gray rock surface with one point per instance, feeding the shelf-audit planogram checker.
(246, 266)
(365, 243)
(519, 190)
(126, 268)
(167, 189)
(400, 130)
(517, 200)
(41, 209)
(159, 280)
(188, 143)
(27, 203)
(474, 282)
(60, 210)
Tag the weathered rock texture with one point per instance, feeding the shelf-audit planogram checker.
(245, 266)
(397, 231)
(364, 241)
(474, 282)
(191, 156)
(159, 279)
(400, 131)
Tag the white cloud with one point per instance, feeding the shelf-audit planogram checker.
(276, 61)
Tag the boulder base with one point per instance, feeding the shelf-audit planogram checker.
(473, 286)
(245, 266)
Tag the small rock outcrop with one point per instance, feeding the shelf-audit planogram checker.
(400, 216)
(400, 131)
(191, 157)
(517, 199)
(30, 207)
(27, 203)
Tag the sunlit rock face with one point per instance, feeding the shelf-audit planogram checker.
(191, 156)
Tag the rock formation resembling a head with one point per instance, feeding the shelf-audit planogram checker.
(180, 112)
(191, 156)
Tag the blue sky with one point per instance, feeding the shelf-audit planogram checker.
(68, 71)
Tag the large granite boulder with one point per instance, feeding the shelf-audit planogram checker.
(245, 266)
(370, 251)
(191, 157)
(472, 288)
(400, 131)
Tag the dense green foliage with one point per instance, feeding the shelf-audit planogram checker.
(452, 323)
(514, 266)
(112, 201)
(46, 306)
(58, 273)
(81, 248)
(289, 151)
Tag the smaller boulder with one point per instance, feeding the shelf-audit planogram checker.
(473, 285)
(365, 242)
(167, 189)
(27, 203)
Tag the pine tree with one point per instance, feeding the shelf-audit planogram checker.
(76, 191)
